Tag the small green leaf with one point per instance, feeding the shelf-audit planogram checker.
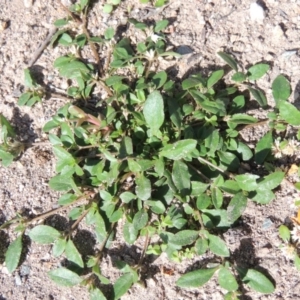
(238, 119)
(13, 254)
(72, 254)
(66, 199)
(107, 8)
(263, 148)
(190, 83)
(59, 247)
(218, 246)
(214, 78)
(140, 219)
(60, 22)
(96, 294)
(284, 233)
(236, 207)
(44, 234)
(6, 158)
(126, 148)
(126, 197)
(229, 60)
(143, 187)
(247, 182)
(160, 79)
(257, 71)
(64, 277)
(179, 149)
(181, 177)
(129, 233)
(289, 113)
(161, 25)
(61, 183)
(28, 80)
(238, 77)
(258, 282)
(281, 89)
(184, 237)
(297, 262)
(122, 285)
(262, 196)
(24, 98)
(226, 280)
(271, 181)
(109, 33)
(195, 278)
(216, 197)
(259, 96)
(154, 111)
(201, 246)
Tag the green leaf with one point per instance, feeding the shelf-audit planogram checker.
(214, 78)
(61, 183)
(247, 182)
(190, 83)
(179, 149)
(229, 60)
(181, 177)
(184, 237)
(13, 254)
(297, 262)
(64, 158)
(263, 148)
(271, 181)
(122, 285)
(129, 233)
(126, 197)
(6, 158)
(230, 186)
(24, 98)
(284, 233)
(238, 119)
(238, 77)
(143, 187)
(230, 160)
(161, 25)
(126, 148)
(236, 207)
(60, 22)
(109, 33)
(201, 246)
(28, 80)
(258, 282)
(245, 151)
(107, 8)
(218, 246)
(289, 113)
(64, 277)
(216, 197)
(160, 3)
(59, 247)
(66, 199)
(96, 294)
(44, 234)
(259, 96)
(281, 89)
(154, 111)
(140, 219)
(72, 254)
(156, 206)
(195, 278)
(226, 280)
(262, 196)
(160, 79)
(257, 71)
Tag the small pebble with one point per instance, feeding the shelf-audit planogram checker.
(18, 280)
(257, 13)
(28, 3)
(3, 25)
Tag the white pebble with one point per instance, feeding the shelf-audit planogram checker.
(257, 13)
(28, 3)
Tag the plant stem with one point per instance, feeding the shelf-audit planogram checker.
(215, 167)
(147, 241)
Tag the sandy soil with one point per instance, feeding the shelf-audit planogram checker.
(198, 29)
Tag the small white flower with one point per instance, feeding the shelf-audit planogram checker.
(276, 149)
(288, 251)
(291, 148)
(155, 37)
(295, 233)
(150, 54)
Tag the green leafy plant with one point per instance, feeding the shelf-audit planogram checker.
(154, 160)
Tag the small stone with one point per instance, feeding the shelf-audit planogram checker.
(28, 3)
(18, 280)
(257, 13)
(3, 25)
(277, 32)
